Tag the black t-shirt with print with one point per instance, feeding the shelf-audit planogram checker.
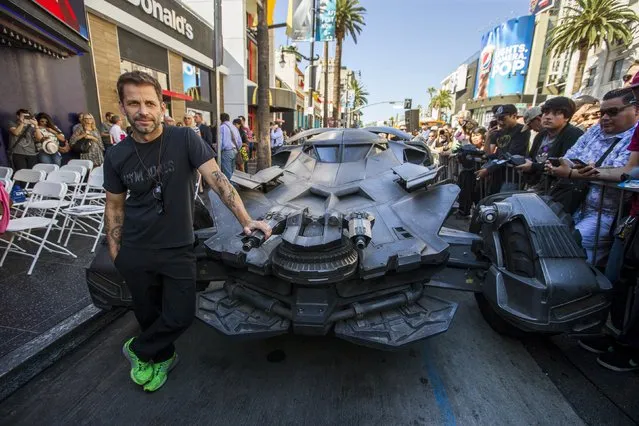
(512, 141)
(182, 153)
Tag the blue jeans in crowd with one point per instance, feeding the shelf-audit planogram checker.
(45, 158)
(228, 163)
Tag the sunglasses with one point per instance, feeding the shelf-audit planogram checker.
(614, 111)
(157, 194)
(626, 78)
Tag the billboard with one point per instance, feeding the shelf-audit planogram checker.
(538, 6)
(300, 20)
(504, 58)
(71, 12)
(326, 20)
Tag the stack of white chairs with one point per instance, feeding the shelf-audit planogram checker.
(49, 196)
(47, 168)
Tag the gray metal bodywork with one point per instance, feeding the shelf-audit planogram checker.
(358, 248)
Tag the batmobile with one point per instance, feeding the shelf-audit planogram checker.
(359, 246)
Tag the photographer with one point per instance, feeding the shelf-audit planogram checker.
(556, 137)
(468, 184)
(53, 141)
(24, 134)
(511, 138)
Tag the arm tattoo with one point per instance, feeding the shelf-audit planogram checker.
(225, 190)
(114, 224)
(229, 196)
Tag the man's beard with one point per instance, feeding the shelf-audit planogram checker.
(144, 130)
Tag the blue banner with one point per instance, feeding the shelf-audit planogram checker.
(504, 58)
(325, 30)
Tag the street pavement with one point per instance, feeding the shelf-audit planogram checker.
(468, 375)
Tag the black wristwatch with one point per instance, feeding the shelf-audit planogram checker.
(624, 177)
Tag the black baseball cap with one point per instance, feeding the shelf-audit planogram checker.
(507, 109)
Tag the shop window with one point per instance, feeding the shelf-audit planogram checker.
(128, 66)
(196, 82)
(617, 68)
(592, 72)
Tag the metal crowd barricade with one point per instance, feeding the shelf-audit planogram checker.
(620, 209)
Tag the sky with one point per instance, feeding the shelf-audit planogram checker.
(410, 45)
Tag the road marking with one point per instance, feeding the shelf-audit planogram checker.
(445, 409)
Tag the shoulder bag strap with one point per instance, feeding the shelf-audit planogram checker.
(607, 153)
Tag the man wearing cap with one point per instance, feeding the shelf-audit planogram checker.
(532, 120)
(510, 138)
(556, 135)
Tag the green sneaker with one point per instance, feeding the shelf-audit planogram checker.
(141, 372)
(161, 373)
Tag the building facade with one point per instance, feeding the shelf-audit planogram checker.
(163, 38)
(44, 62)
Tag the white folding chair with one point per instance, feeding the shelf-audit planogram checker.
(72, 179)
(23, 226)
(76, 168)
(94, 190)
(30, 177)
(6, 172)
(87, 164)
(47, 168)
(90, 217)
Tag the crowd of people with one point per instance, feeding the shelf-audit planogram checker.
(566, 152)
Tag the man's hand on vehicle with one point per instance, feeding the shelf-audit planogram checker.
(258, 225)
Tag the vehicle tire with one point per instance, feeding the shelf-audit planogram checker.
(519, 259)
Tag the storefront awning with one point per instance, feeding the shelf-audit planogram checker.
(280, 100)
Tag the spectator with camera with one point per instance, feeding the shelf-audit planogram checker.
(556, 136)
(469, 194)
(86, 141)
(53, 142)
(509, 138)
(595, 156)
(23, 135)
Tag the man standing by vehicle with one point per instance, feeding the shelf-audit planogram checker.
(150, 239)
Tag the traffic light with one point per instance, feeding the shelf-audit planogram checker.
(408, 104)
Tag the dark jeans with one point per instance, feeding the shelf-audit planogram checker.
(21, 161)
(469, 191)
(162, 285)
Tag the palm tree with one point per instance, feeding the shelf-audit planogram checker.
(349, 20)
(431, 92)
(360, 96)
(442, 100)
(263, 107)
(589, 25)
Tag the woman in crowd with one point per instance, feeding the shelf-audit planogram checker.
(467, 181)
(189, 121)
(53, 142)
(87, 142)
